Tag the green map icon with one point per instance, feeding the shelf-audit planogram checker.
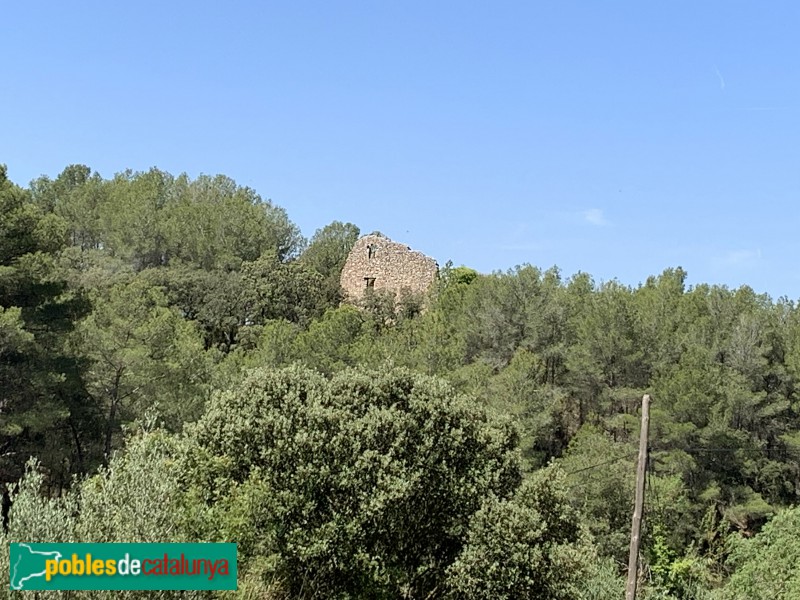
(27, 563)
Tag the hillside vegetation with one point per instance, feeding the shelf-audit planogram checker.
(176, 364)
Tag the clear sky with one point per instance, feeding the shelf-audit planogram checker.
(616, 138)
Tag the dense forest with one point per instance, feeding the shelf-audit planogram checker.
(177, 364)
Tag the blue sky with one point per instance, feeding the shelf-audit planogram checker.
(616, 138)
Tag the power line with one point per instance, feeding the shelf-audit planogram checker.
(602, 464)
(650, 462)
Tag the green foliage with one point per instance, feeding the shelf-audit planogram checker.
(326, 254)
(152, 219)
(765, 566)
(335, 341)
(212, 222)
(442, 342)
(459, 275)
(24, 228)
(278, 290)
(194, 282)
(136, 498)
(527, 547)
(539, 409)
(361, 486)
(77, 197)
(603, 581)
(35, 517)
(140, 352)
(42, 393)
(600, 476)
(675, 576)
(669, 506)
(218, 301)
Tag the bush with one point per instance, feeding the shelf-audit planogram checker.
(528, 547)
(135, 499)
(358, 486)
(765, 566)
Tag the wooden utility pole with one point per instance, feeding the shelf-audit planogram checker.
(636, 525)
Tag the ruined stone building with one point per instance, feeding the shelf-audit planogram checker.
(377, 263)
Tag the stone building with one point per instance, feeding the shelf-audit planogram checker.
(377, 263)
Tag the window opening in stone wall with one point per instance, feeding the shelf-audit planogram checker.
(371, 250)
(370, 281)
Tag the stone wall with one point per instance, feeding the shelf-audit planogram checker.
(378, 263)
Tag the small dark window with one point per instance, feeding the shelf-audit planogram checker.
(371, 250)
(370, 281)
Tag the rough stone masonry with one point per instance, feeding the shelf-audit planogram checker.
(379, 264)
